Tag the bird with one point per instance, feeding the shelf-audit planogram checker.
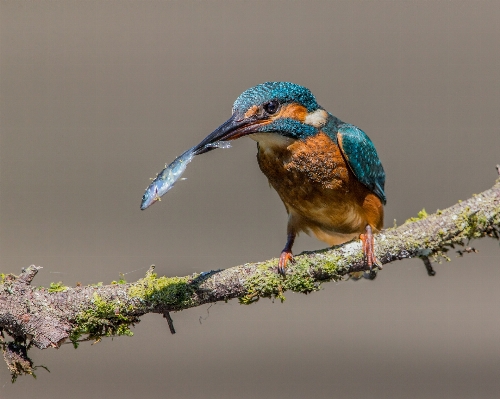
(326, 172)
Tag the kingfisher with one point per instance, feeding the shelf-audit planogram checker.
(326, 172)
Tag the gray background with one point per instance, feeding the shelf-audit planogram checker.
(97, 96)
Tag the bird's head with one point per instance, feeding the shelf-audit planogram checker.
(282, 108)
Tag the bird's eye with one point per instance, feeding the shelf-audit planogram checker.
(271, 107)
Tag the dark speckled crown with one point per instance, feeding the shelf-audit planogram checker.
(284, 92)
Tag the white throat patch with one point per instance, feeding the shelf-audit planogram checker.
(271, 140)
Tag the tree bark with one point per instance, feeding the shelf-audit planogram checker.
(47, 317)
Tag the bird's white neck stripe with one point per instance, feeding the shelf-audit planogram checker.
(317, 118)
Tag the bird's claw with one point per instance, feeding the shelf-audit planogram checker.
(285, 257)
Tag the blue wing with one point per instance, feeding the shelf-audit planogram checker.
(362, 158)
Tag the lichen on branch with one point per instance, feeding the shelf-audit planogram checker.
(47, 317)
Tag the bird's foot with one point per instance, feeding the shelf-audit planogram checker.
(369, 249)
(285, 257)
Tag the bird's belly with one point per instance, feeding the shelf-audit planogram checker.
(314, 207)
(319, 190)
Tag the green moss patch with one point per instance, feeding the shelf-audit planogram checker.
(104, 319)
(121, 280)
(267, 283)
(172, 291)
(57, 287)
(420, 216)
(471, 224)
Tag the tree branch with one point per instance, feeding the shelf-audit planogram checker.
(48, 317)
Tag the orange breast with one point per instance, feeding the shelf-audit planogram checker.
(320, 192)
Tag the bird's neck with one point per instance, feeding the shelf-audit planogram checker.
(331, 127)
(272, 140)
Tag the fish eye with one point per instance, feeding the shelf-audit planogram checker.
(271, 107)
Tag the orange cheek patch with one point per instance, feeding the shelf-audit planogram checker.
(292, 111)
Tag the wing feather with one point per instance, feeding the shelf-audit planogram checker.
(362, 158)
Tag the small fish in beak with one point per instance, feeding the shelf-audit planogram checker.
(165, 180)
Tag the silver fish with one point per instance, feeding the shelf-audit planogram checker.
(165, 180)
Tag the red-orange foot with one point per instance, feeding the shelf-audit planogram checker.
(285, 257)
(369, 248)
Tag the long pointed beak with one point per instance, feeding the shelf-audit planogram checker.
(232, 129)
(235, 127)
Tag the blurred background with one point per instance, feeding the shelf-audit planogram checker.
(96, 96)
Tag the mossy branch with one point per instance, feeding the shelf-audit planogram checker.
(48, 317)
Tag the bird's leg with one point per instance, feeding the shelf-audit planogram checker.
(369, 248)
(286, 254)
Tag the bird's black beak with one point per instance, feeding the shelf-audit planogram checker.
(235, 127)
